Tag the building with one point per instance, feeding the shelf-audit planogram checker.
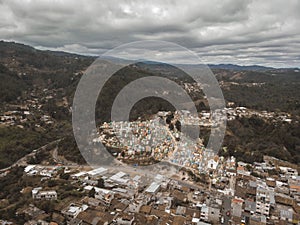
(263, 201)
(286, 215)
(237, 207)
(204, 213)
(214, 213)
(250, 206)
(153, 188)
(28, 168)
(289, 172)
(119, 178)
(213, 163)
(104, 195)
(37, 193)
(97, 172)
(73, 210)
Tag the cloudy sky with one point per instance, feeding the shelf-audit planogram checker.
(228, 31)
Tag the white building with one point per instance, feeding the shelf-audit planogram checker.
(212, 164)
(262, 201)
(119, 178)
(37, 193)
(73, 210)
(289, 172)
(153, 188)
(28, 168)
(204, 213)
(97, 172)
(286, 215)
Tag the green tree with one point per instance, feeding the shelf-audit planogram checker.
(100, 183)
(92, 193)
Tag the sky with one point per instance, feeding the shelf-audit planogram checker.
(243, 32)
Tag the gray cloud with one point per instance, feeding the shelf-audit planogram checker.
(229, 31)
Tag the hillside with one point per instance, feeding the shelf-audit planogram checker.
(43, 83)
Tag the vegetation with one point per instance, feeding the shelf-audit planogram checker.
(23, 69)
(277, 90)
(11, 86)
(249, 139)
(68, 148)
(16, 143)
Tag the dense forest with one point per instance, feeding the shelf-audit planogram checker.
(274, 96)
(249, 139)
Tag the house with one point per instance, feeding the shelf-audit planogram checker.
(237, 207)
(28, 168)
(124, 219)
(289, 172)
(242, 172)
(153, 188)
(97, 172)
(286, 215)
(294, 188)
(181, 210)
(75, 221)
(204, 213)
(119, 178)
(214, 213)
(134, 207)
(178, 220)
(5, 222)
(284, 199)
(73, 210)
(33, 212)
(34, 222)
(202, 223)
(271, 182)
(262, 201)
(104, 195)
(258, 220)
(250, 206)
(146, 209)
(91, 201)
(79, 175)
(95, 217)
(213, 163)
(119, 205)
(47, 172)
(37, 193)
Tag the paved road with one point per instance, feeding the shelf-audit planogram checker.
(227, 207)
(23, 160)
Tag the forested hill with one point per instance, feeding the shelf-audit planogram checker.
(43, 83)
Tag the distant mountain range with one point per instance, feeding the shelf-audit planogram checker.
(23, 48)
(241, 68)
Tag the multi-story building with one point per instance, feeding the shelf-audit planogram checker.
(262, 201)
(37, 193)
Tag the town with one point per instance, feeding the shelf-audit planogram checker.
(159, 174)
(205, 189)
(229, 192)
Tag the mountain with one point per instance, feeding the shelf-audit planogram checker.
(44, 82)
(239, 68)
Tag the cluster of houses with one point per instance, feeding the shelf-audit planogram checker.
(233, 112)
(139, 141)
(237, 112)
(233, 195)
(142, 140)
(138, 138)
(27, 110)
(44, 171)
(39, 194)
